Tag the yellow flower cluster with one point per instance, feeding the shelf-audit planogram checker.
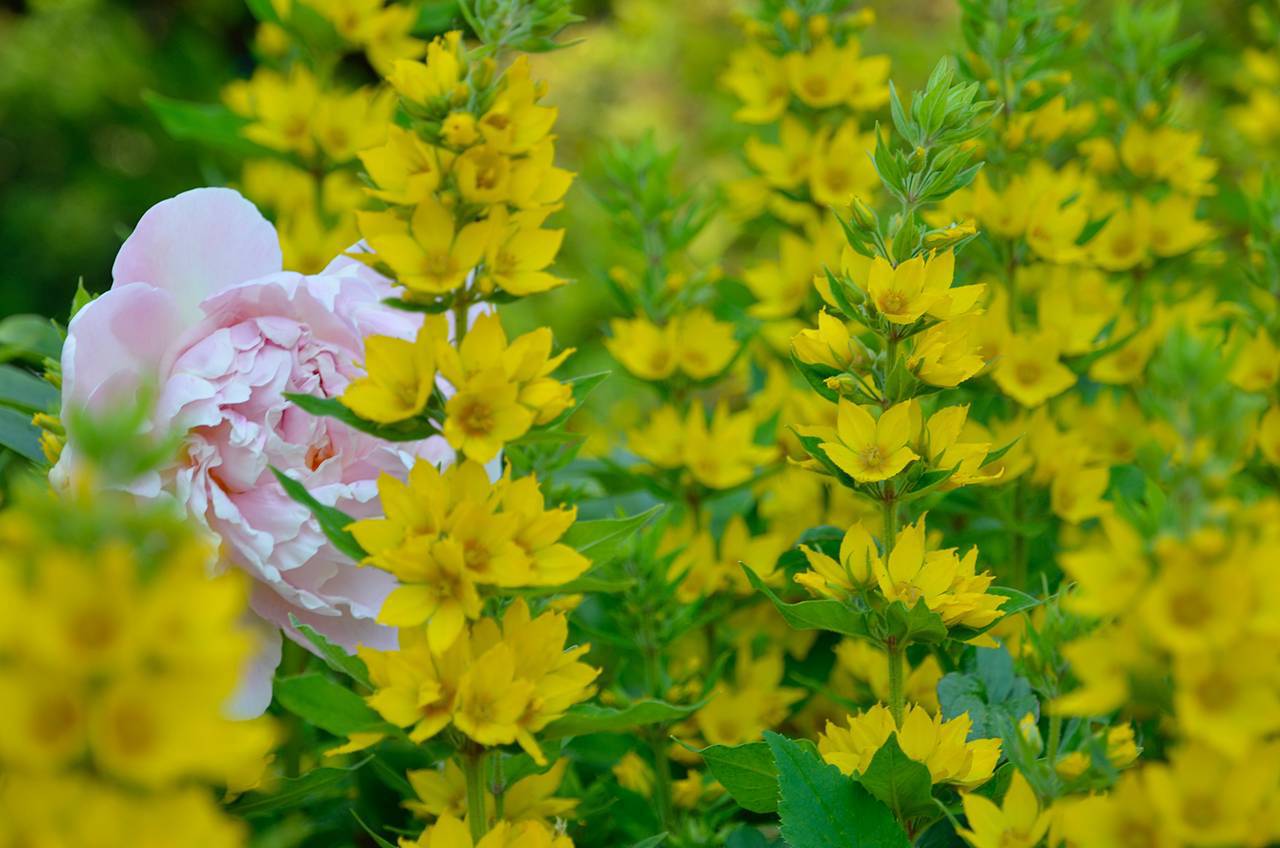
(117, 663)
(496, 392)
(470, 187)
(496, 683)
(449, 535)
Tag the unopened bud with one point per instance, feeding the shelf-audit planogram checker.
(863, 215)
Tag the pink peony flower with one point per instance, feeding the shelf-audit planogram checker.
(200, 309)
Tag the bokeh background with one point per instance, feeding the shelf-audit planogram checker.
(82, 155)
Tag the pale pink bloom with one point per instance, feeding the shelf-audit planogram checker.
(200, 310)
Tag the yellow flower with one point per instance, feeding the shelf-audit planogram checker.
(870, 450)
(945, 355)
(450, 832)
(869, 664)
(645, 349)
(949, 585)
(944, 449)
(634, 773)
(538, 530)
(515, 123)
(940, 745)
(759, 80)
(1123, 242)
(706, 345)
(401, 375)
(414, 688)
(438, 588)
(439, 77)
(428, 255)
(346, 123)
(903, 294)
(1269, 435)
(1018, 822)
(754, 702)
(484, 415)
(823, 76)
(483, 175)
(491, 698)
(1076, 492)
(1256, 366)
(1029, 370)
(518, 253)
(856, 568)
(840, 166)
(831, 344)
(404, 170)
(282, 109)
(786, 164)
(723, 454)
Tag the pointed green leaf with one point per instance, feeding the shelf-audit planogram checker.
(335, 656)
(592, 718)
(333, 521)
(814, 615)
(746, 772)
(321, 701)
(903, 784)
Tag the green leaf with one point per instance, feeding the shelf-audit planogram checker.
(903, 784)
(592, 718)
(321, 701)
(821, 808)
(80, 300)
(814, 615)
(604, 538)
(335, 656)
(583, 585)
(208, 124)
(264, 11)
(582, 388)
(333, 521)
(29, 337)
(747, 773)
(377, 840)
(651, 842)
(19, 435)
(291, 792)
(25, 391)
(917, 624)
(412, 430)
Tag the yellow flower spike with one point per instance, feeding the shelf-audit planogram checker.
(515, 123)
(945, 451)
(857, 567)
(903, 294)
(401, 376)
(1029, 370)
(645, 349)
(1019, 822)
(870, 450)
(723, 454)
(831, 344)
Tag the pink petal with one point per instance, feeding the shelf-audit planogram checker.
(197, 244)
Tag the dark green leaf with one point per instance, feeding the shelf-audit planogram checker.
(917, 624)
(19, 435)
(377, 840)
(991, 692)
(30, 337)
(25, 391)
(821, 808)
(333, 521)
(814, 615)
(747, 773)
(209, 124)
(651, 842)
(335, 656)
(903, 784)
(592, 718)
(412, 430)
(292, 792)
(327, 704)
(604, 538)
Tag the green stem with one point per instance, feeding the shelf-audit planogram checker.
(499, 788)
(477, 817)
(663, 793)
(1055, 739)
(889, 513)
(1018, 552)
(897, 693)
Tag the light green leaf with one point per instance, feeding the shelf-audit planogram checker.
(19, 435)
(603, 539)
(25, 391)
(415, 429)
(293, 792)
(29, 337)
